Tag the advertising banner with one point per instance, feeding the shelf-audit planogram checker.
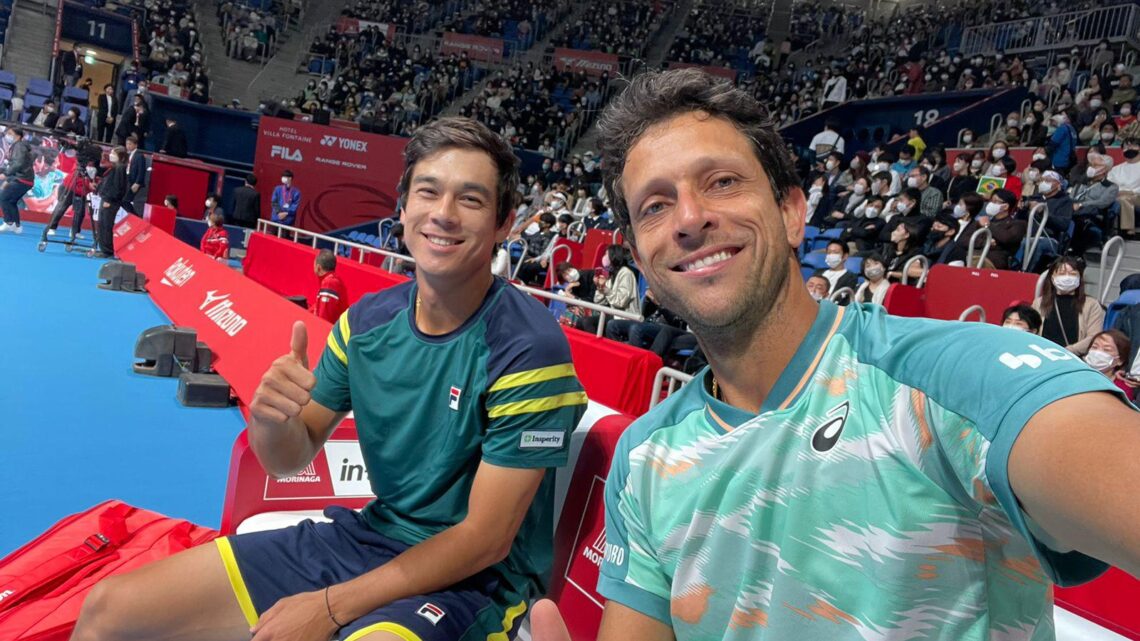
(723, 72)
(245, 325)
(353, 26)
(52, 163)
(476, 47)
(594, 63)
(346, 177)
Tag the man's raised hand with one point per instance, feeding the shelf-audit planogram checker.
(287, 386)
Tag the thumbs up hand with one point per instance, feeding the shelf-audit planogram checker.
(287, 386)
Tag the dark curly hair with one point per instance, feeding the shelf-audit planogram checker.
(656, 96)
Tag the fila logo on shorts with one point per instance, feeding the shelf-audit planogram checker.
(1033, 361)
(453, 401)
(431, 612)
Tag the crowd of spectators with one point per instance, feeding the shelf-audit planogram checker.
(251, 34)
(386, 88)
(519, 22)
(408, 16)
(625, 29)
(170, 50)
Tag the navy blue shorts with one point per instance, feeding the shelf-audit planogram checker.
(264, 567)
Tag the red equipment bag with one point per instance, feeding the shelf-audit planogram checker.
(43, 584)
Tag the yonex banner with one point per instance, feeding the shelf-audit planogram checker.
(245, 325)
(594, 63)
(476, 47)
(346, 176)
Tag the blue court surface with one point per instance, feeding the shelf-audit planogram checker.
(77, 426)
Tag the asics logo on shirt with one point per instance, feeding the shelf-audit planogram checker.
(827, 435)
(1033, 361)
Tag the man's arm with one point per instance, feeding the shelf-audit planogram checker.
(620, 623)
(1077, 477)
(500, 498)
(287, 428)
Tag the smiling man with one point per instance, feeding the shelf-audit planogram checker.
(464, 396)
(832, 474)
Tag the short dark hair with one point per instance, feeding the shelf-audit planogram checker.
(250, 180)
(288, 173)
(1026, 313)
(656, 96)
(1007, 197)
(133, 138)
(17, 131)
(913, 194)
(172, 199)
(326, 260)
(840, 244)
(464, 133)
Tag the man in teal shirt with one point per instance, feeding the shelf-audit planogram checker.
(464, 397)
(836, 473)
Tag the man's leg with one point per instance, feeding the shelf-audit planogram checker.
(642, 334)
(619, 330)
(60, 208)
(78, 214)
(185, 597)
(9, 198)
(107, 228)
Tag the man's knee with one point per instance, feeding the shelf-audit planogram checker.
(97, 618)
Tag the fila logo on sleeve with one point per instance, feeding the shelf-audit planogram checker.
(453, 399)
(1033, 361)
(431, 612)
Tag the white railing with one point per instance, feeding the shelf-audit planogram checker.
(676, 379)
(925, 270)
(304, 236)
(973, 309)
(1033, 234)
(1118, 22)
(974, 243)
(1116, 242)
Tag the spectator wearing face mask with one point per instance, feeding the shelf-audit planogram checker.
(1006, 232)
(868, 224)
(1006, 168)
(978, 164)
(575, 282)
(843, 208)
(1124, 92)
(1125, 117)
(1107, 354)
(1096, 196)
(967, 139)
(285, 201)
(833, 170)
(855, 170)
(818, 200)
(969, 206)
(930, 201)
(1062, 143)
(961, 182)
(212, 207)
(1090, 134)
(1126, 177)
(906, 160)
(906, 242)
(836, 273)
(940, 248)
(1034, 131)
(818, 287)
(998, 150)
(874, 288)
(1057, 203)
(1070, 318)
(1022, 317)
(215, 242)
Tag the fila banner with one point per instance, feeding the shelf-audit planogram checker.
(346, 177)
(245, 325)
(476, 47)
(594, 63)
(723, 72)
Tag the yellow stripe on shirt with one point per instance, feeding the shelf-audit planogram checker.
(509, 617)
(532, 376)
(345, 332)
(336, 350)
(535, 405)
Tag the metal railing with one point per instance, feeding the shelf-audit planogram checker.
(970, 310)
(925, 270)
(676, 379)
(1116, 242)
(1118, 22)
(838, 294)
(1033, 238)
(985, 248)
(303, 236)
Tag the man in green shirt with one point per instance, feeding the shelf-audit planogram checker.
(464, 396)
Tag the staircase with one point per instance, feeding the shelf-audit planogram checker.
(654, 59)
(28, 50)
(248, 82)
(1130, 264)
